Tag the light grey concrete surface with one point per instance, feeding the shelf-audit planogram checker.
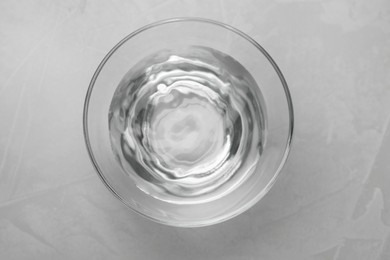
(332, 201)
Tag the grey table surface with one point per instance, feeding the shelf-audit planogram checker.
(332, 201)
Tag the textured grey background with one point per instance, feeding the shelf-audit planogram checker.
(332, 201)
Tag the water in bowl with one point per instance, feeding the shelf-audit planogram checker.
(187, 125)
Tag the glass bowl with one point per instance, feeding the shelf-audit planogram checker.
(276, 128)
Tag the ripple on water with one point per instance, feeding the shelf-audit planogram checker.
(186, 125)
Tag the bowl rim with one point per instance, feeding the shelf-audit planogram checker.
(253, 200)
